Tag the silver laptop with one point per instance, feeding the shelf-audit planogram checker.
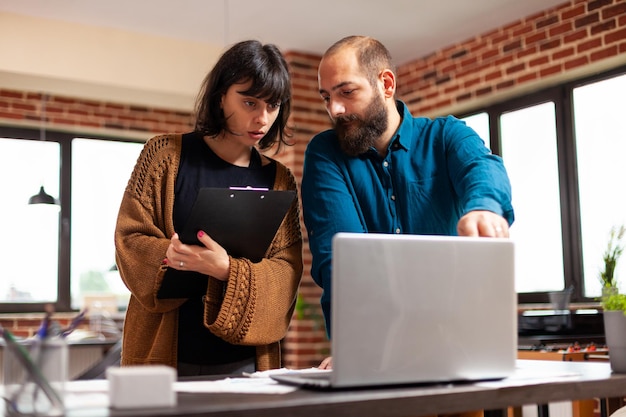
(419, 309)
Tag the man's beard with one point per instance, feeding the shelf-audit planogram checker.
(358, 134)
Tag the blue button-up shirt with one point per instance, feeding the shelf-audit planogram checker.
(435, 171)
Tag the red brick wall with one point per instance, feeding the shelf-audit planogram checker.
(567, 41)
(556, 44)
(26, 325)
(306, 342)
(76, 114)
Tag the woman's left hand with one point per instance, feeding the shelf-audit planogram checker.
(210, 259)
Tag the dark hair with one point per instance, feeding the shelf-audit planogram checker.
(245, 61)
(372, 55)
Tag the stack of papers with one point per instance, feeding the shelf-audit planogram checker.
(95, 393)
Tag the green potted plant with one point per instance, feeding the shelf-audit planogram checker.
(614, 250)
(613, 302)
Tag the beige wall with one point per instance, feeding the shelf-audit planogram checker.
(101, 64)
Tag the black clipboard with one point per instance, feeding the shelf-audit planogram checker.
(243, 221)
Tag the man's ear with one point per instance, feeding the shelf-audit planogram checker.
(388, 79)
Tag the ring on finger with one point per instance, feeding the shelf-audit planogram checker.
(181, 264)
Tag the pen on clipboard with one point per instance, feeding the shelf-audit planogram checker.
(34, 372)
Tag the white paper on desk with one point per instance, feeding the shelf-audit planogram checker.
(87, 394)
(258, 382)
(235, 385)
(94, 393)
(270, 372)
(83, 394)
(523, 376)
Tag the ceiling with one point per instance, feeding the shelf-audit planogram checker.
(409, 28)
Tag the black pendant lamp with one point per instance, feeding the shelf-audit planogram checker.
(42, 197)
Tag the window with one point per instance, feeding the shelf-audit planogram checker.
(601, 160)
(100, 171)
(529, 152)
(563, 148)
(30, 245)
(61, 253)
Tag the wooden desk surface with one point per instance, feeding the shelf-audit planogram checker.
(536, 382)
(599, 355)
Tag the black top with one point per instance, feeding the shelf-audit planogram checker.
(201, 167)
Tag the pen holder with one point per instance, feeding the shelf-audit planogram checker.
(35, 373)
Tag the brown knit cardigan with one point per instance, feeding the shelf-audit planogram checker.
(259, 298)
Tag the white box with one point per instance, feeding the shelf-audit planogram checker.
(141, 386)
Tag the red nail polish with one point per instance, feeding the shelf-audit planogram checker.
(200, 233)
(164, 262)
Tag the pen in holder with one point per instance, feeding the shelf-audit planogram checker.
(35, 373)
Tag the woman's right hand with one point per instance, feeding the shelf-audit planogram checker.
(209, 259)
(216, 260)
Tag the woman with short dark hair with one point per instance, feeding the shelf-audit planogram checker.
(235, 324)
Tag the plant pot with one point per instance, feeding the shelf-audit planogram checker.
(615, 333)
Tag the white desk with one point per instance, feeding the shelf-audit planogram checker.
(569, 381)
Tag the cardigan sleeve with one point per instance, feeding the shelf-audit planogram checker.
(144, 223)
(259, 298)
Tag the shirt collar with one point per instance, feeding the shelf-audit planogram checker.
(402, 137)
